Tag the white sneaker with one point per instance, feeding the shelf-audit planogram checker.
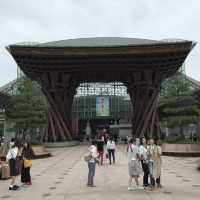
(130, 188)
(140, 187)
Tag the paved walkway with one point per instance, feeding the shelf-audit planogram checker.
(64, 176)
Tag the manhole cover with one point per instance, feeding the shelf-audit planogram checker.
(179, 176)
(52, 188)
(61, 178)
(46, 195)
(5, 197)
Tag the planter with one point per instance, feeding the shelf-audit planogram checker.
(181, 149)
(61, 144)
(41, 152)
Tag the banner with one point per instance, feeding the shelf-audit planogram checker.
(102, 106)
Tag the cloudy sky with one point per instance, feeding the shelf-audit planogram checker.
(48, 20)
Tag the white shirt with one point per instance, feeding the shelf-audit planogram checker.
(93, 152)
(111, 145)
(133, 150)
(12, 153)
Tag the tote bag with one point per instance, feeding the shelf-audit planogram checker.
(27, 163)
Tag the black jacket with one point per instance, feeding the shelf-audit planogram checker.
(27, 153)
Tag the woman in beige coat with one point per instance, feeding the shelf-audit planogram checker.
(154, 153)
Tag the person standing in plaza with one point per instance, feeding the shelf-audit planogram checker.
(154, 153)
(12, 160)
(100, 149)
(144, 161)
(134, 164)
(92, 164)
(158, 161)
(27, 154)
(111, 147)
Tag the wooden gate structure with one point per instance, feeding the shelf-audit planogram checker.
(60, 66)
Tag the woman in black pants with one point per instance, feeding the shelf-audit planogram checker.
(144, 162)
(27, 154)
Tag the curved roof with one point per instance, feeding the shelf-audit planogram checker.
(99, 42)
(113, 56)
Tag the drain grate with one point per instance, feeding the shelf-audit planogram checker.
(57, 182)
(186, 180)
(46, 195)
(167, 192)
(195, 185)
(52, 188)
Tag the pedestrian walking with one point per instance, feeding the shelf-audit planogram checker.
(111, 147)
(91, 164)
(27, 156)
(12, 160)
(134, 164)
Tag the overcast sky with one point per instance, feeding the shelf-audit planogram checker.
(48, 20)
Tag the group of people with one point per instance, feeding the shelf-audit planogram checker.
(19, 158)
(97, 151)
(144, 157)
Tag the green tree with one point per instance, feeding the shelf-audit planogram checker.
(27, 107)
(178, 105)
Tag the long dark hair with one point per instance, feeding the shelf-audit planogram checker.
(130, 142)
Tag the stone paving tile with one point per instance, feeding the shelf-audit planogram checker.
(64, 176)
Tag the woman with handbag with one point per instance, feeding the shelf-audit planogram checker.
(27, 155)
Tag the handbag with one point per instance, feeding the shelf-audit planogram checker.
(87, 158)
(28, 163)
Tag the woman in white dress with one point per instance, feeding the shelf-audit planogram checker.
(134, 164)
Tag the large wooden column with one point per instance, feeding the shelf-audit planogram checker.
(144, 88)
(59, 89)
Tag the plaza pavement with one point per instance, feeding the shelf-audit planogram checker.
(64, 176)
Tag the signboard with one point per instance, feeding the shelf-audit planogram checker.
(102, 106)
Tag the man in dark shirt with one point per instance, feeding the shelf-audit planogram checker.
(100, 150)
